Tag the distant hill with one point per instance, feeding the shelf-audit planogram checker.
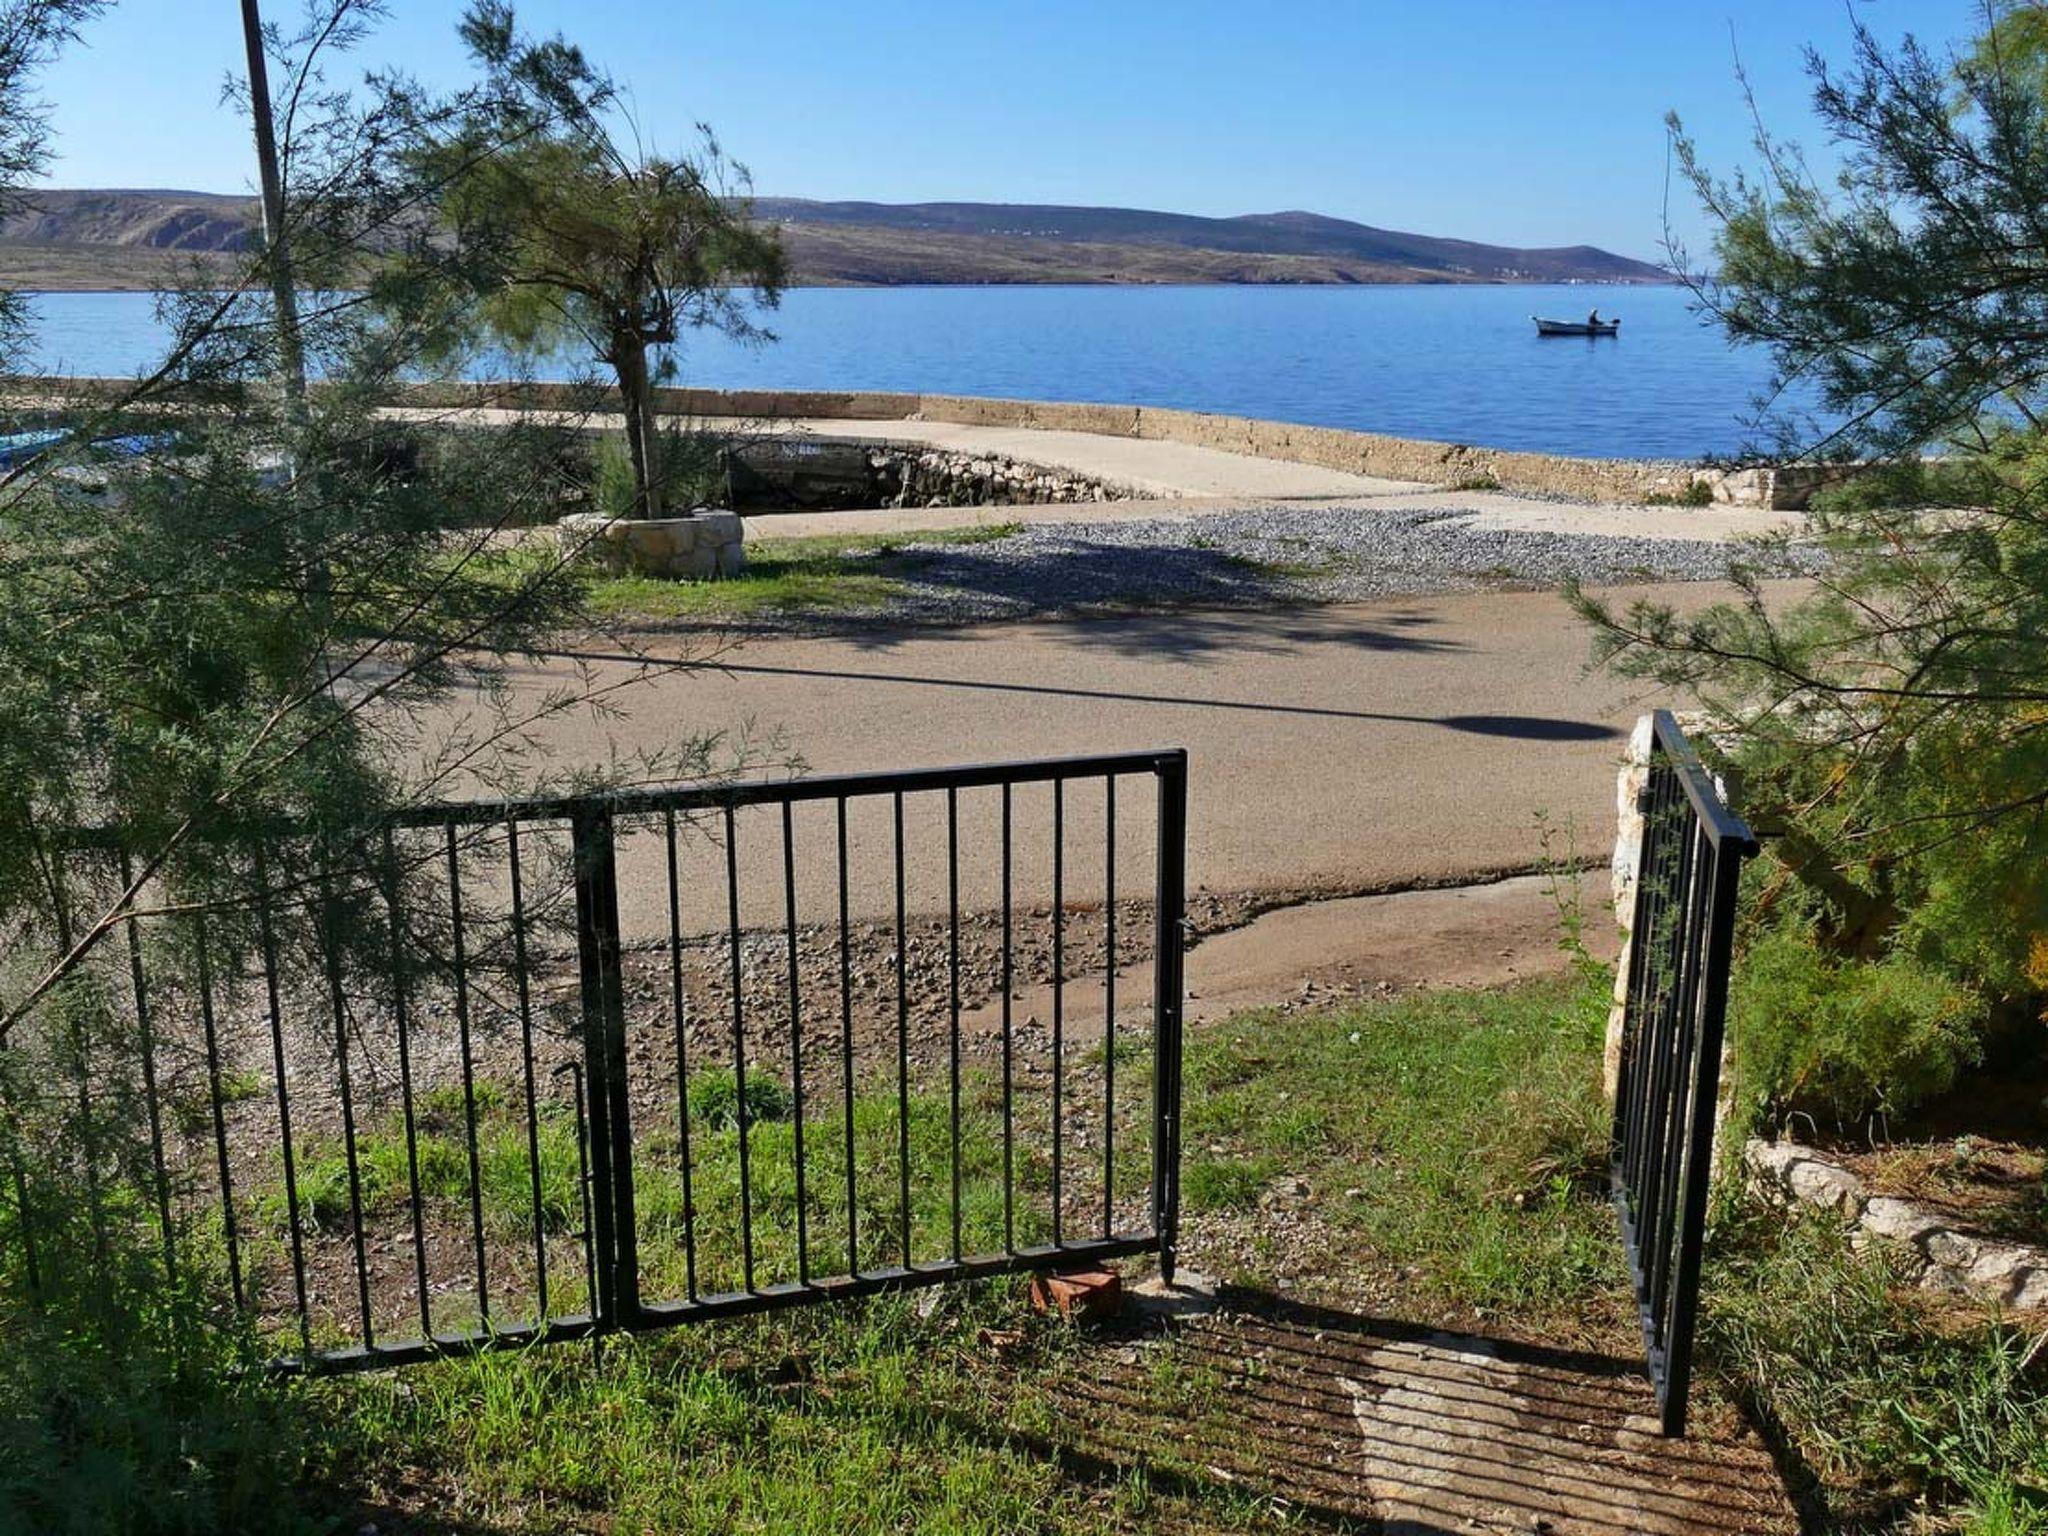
(118, 238)
(1263, 247)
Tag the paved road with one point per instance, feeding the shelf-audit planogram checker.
(1339, 748)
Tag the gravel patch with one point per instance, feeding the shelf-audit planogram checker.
(1269, 556)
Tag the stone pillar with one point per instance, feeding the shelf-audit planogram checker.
(1629, 786)
(706, 544)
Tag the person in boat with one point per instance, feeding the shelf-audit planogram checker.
(1593, 317)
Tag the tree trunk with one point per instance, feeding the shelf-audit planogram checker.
(643, 433)
(276, 257)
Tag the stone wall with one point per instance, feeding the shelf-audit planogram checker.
(1933, 1251)
(784, 472)
(938, 477)
(1626, 481)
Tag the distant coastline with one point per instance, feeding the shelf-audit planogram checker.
(127, 240)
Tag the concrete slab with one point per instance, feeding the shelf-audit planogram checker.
(1151, 467)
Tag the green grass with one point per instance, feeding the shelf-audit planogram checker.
(1453, 1143)
(828, 573)
(1457, 1136)
(864, 1419)
(708, 1251)
(1903, 1413)
(504, 1167)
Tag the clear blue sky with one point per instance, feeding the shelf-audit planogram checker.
(1527, 122)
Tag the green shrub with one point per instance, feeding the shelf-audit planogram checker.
(1697, 493)
(715, 1099)
(128, 1403)
(1843, 1038)
(1913, 482)
(691, 466)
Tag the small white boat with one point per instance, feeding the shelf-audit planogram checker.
(1576, 327)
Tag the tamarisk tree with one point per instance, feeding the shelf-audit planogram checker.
(1888, 721)
(571, 233)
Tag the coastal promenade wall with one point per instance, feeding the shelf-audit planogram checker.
(1366, 453)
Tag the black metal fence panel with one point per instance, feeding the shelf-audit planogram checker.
(1675, 1012)
(555, 1068)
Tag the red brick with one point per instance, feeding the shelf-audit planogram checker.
(1086, 1295)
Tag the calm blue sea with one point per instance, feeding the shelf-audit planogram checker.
(1461, 364)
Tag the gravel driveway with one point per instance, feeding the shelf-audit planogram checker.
(1270, 556)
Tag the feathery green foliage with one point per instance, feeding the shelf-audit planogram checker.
(568, 230)
(1885, 727)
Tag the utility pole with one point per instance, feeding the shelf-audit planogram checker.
(276, 250)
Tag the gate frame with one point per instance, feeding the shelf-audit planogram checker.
(1667, 1090)
(607, 1137)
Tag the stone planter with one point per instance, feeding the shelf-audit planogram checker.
(705, 543)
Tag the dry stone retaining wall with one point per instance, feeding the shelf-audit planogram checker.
(1937, 1256)
(940, 477)
(1625, 481)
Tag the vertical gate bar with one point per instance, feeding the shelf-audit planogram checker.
(1059, 969)
(1109, 1005)
(1009, 1053)
(266, 936)
(1674, 1043)
(88, 1139)
(1169, 900)
(846, 1050)
(902, 1046)
(1656, 969)
(677, 1006)
(583, 1184)
(401, 1018)
(1705, 1086)
(616, 1303)
(1664, 973)
(146, 1029)
(739, 1048)
(1675, 1029)
(953, 978)
(1652, 913)
(524, 994)
(796, 1044)
(459, 961)
(330, 960)
(209, 1029)
(1657, 977)
(1699, 918)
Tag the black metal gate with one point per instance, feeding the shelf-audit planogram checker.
(1675, 1010)
(549, 1069)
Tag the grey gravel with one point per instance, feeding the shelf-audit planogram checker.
(1267, 556)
